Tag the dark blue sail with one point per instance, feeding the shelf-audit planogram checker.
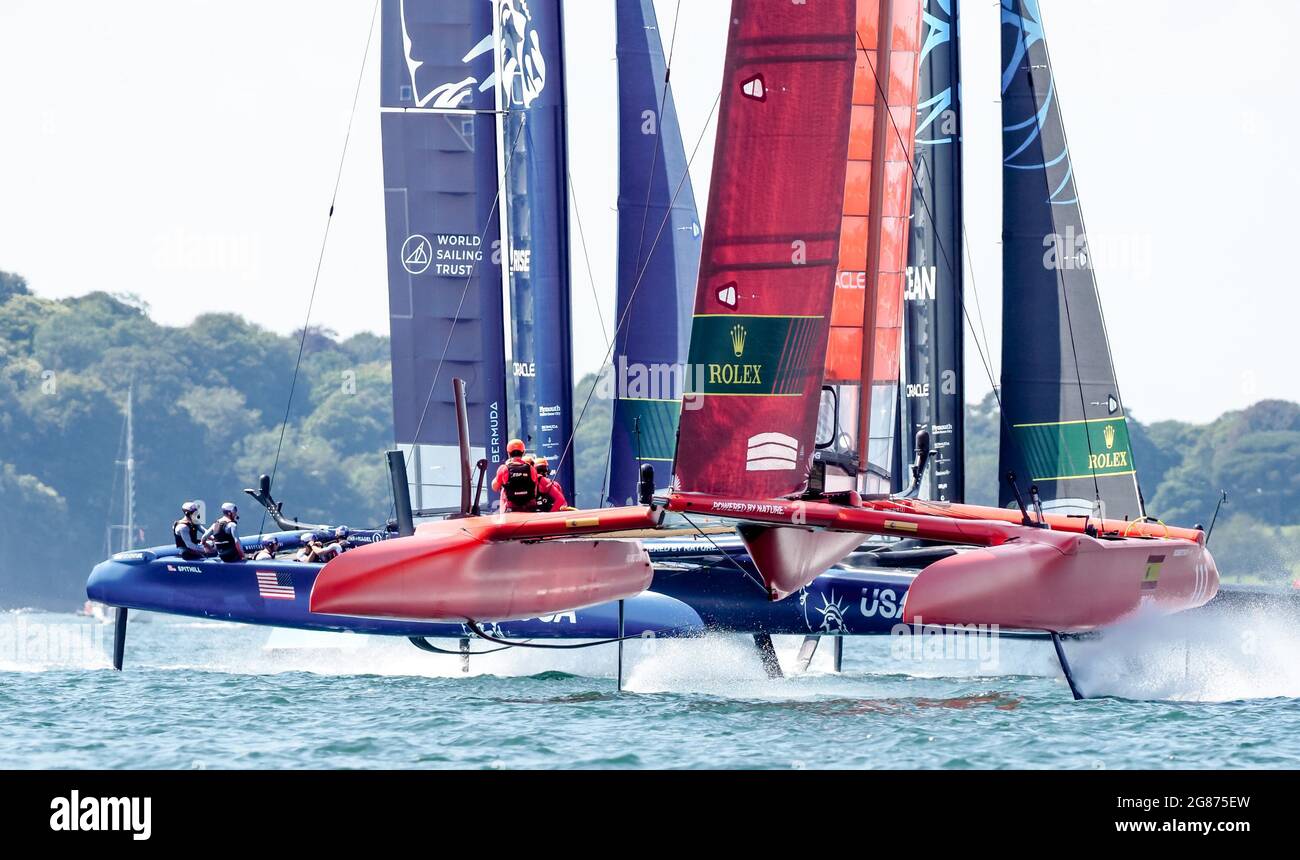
(932, 321)
(537, 221)
(658, 257)
(440, 195)
(1064, 426)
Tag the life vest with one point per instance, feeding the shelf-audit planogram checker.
(225, 543)
(520, 488)
(194, 535)
(550, 496)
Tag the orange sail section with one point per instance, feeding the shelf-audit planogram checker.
(877, 203)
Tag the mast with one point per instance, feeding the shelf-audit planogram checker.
(933, 370)
(129, 499)
(1064, 427)
(535, 252)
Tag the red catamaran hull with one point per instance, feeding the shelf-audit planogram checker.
(493, 567)
(1059, 579)
(1063, 583)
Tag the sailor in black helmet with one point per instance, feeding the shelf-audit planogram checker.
(186, 532)
(224, 534)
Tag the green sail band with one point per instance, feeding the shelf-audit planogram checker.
(1075, 449)
(651, 426)
(733, 354)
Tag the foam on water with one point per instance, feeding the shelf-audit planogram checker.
(1195, 657)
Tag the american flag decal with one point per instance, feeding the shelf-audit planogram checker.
(275, 585)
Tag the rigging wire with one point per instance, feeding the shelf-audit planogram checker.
(591, 277)
(654, 153)
(737, 565)
(637, 285)
(320, 258)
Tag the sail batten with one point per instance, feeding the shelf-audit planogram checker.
(1064, 426)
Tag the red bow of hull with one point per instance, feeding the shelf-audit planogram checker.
(449, 572)
(1064, 583)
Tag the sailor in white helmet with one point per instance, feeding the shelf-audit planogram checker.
(224, 534)
(186, 532)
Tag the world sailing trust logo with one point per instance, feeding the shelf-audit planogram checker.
(523, 66)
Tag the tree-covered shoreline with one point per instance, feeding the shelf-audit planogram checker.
(210, 396)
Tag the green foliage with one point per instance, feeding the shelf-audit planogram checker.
(208, 401)
(590, 444)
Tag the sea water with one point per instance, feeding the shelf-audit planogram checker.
(1192, 692)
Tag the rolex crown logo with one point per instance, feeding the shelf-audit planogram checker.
(1109, 435)
(738, 339)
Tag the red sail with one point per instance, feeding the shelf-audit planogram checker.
(768, 263)
(874, 225)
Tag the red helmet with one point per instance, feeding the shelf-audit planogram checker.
(515, 447)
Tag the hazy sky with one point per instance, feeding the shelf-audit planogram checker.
(186, 150)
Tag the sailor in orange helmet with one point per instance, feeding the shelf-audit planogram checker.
(516, 480)
(550, 495)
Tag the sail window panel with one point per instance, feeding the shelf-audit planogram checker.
(857, 188)
(844, 354)
(898, 138)
(902, 77)
(861, 129)
(853, 243)
(880, 446)
(893, 247)
(868, 17)
(906, 33)
(889, 328)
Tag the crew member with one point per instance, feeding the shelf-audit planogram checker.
(186, 532)
(224, 534)
(270, 547)
(516, 480)
(550, 495)
(312, 549)
(335, 547)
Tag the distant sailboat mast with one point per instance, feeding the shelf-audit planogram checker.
(121, 536)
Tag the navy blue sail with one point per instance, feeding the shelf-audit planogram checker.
(658, 257)
(932, 302)
(439, 131)
(537, 227)
(1065, 428)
